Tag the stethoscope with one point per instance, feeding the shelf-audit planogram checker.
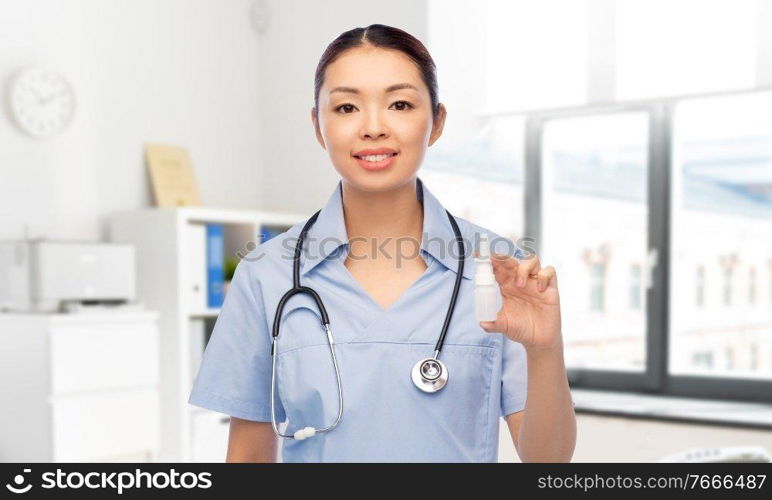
(428, 374)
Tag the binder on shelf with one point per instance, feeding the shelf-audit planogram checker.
(215, 253)
(269, 231)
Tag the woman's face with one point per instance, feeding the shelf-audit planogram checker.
(358, 111)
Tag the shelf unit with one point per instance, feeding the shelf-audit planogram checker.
(163, 284)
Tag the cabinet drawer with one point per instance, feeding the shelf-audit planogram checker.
(103, 357)
(89, 427)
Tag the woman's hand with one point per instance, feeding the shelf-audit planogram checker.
(530, 312)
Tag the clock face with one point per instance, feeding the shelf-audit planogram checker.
(42, 102)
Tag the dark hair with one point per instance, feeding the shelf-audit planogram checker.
(387, 37)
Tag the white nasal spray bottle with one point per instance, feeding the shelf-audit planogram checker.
(486, 306)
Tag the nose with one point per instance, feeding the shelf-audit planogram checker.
(373, 126)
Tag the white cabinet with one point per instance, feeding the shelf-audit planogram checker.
(210, 436)
(102, 425)
(84, 358)
(79, 387)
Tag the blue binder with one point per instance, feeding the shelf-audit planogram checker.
(268, 232)
(215, 274)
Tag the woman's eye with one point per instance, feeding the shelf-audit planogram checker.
(347, 106)
(405, 107)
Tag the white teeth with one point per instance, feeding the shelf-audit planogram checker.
(375, 158)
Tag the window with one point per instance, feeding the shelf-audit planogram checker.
(728, 273)
(594, 222)
(635, 286)
(730, 361)
(594, 217)
(597, 286)
(703, 359)
(721, 213)
(700, 287)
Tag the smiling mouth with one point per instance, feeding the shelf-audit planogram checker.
(375, 158)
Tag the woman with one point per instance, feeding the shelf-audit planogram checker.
(383, 256)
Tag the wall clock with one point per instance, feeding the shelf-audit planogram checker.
(42, 102)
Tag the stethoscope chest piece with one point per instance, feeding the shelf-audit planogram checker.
(429, 374)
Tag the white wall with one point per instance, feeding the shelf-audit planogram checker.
(183, 72)
(297, 173)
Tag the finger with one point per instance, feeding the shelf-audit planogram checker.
(506, 264)
(547, 278)
(503, 258)
(504, 269)
(553, 281)
(528, 268)
(504, 274)
(543, 278)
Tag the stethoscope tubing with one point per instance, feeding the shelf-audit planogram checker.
(456, 286)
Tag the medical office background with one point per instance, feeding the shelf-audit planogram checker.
(632, 140)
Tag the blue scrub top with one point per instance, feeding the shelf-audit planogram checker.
(385, 417)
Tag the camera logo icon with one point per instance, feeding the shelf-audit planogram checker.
(18, 481)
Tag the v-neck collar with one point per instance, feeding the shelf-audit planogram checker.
(329, 232)
(417, 283)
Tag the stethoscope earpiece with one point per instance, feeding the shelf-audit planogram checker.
(429, 374)
(304, 433)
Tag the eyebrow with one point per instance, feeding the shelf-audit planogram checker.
(390, 88)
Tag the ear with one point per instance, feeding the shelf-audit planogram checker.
(315, 121)
(439, 124)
